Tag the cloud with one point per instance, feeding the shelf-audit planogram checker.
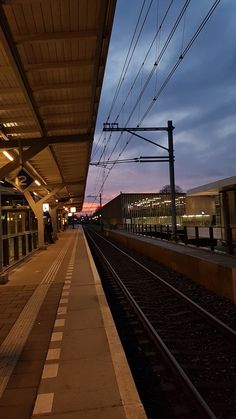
(200, 98)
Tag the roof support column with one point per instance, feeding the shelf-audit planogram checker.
(37, 208)
(40, 220)
(225, 216)
(1, 241)
(53, 214)
(16, 163)
(3, 276)
(38, 212)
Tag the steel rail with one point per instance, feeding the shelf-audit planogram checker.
(226, 329)
(169, 358)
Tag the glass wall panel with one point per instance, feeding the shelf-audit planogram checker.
(23, 244)
(27, 221)
(232, 207)
(20, 216)
(4, 223)
(20, 253)
(11, 248)
(11, 221)
(5, 252)
(17, 220)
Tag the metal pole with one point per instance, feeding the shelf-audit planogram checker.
(100, 200)
(172, 178)
(1, 240)
(226, 222)
(100, 204)
(3, 276)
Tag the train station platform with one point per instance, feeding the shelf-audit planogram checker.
(215, 271)
(60, 354)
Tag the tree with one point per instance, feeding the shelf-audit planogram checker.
(166, 189)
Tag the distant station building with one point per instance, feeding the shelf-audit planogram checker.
(146, 208)
(141, 208)
(202, 210)
(213, 204)
(223, 193)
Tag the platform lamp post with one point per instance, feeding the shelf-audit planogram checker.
(73, 210)
(203, 213)
(149, 159)
(172, 178)
(3, 276)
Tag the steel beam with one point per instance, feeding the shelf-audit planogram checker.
(67, 102)
(26, 155)
(55, 65)
(50, 127)
(56, 86)
(16, 64)
(10, 90)
(55, 36)
(65, 183)
(113, 127)
(46, 141)
(57, 163)
(48, 196)
(13, 106)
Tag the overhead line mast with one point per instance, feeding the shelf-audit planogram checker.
(113, 127)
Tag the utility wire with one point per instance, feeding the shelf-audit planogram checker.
(124, 69)
(145, 59)
(137, 75)
(185, 51)
(157, 62)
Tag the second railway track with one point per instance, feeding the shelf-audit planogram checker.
(199, 381)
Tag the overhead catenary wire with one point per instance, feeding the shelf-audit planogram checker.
(204, 21)
(185, 51)
(138, 73)
(169, 76)
(156, 63)
(144, 60)
(125, 69)
(123, 72)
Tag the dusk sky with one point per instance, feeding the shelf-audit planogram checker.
(200, 97)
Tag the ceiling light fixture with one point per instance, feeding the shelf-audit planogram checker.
(8, 155)
(3, 135)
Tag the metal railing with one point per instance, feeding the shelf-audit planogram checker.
(18, 245)
(213, 238)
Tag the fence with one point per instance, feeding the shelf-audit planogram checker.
(210, 237)
(16, 246)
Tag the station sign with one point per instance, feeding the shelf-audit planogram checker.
(72, 209)
(23, 179)
(45, 207)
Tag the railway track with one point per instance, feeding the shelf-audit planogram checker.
(187, 355)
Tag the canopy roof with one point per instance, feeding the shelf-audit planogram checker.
(214, 188)
(52, 62)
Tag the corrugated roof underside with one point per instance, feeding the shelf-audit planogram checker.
(61, 48)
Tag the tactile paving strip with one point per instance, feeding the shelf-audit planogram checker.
(12, 346)
(44, 401)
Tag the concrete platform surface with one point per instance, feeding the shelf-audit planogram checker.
(60, 354)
